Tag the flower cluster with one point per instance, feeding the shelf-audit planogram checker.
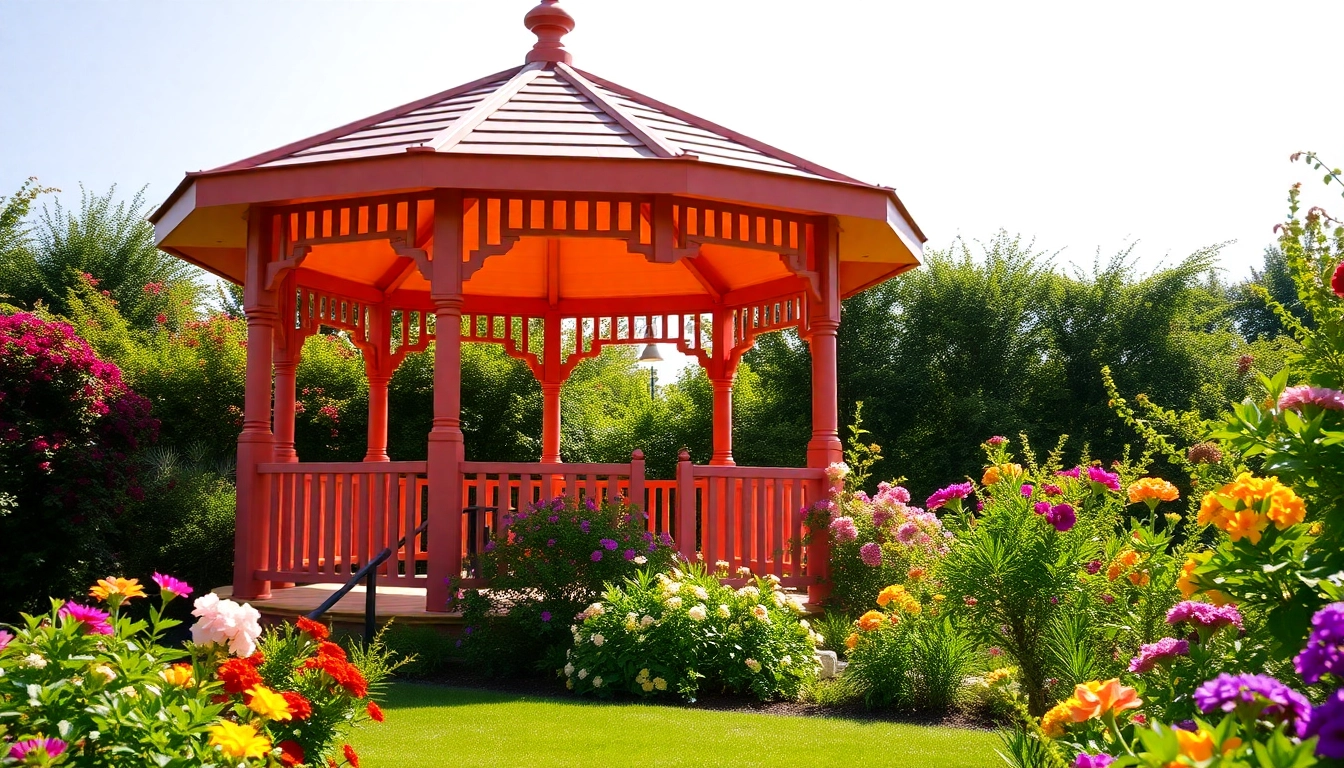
(1091, 700)
(1295, 398)
(1152, 491)
(1161, 652)
(1255, 697)
(1245, 507)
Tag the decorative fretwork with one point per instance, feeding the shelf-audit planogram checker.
(692, 334)
(699, 222)
(748, 322)
(316, 308)
(394, 218)
(522, 337)
(494, 222)
(410, 330)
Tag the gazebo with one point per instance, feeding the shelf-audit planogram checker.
(552, 212)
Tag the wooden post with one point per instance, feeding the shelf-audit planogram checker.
(637, 481)
(686, 516)
(825, 447)
(721, 372)
(552, 380)
(377, 441)
(286, 364)
(256, 444)
(446, 450)
(377, 362)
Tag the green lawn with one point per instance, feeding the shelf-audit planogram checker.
(436, 726)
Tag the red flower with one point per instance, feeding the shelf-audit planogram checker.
(343, 672)
(332, 650)
(291, 754)
(1337, 282)
(160, 318)
(375, 712)
(238, 675)
(313, 629)
(257, 659)
(350, 755)
(299, 707)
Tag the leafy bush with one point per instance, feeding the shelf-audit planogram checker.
(70, 430)
(658, 635)
(549, 561)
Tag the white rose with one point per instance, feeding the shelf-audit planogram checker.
(598, 640)
(597, 682)
(674, 602)
(698, 612)
(724, 610)
(583, 673)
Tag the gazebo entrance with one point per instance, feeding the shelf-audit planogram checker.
(554, 214)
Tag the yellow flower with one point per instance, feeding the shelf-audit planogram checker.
(852, 640)
(1285, 507)
(939, 598)
(1198, 745)
(995, 474)
(871, 620)
(1053, 722)
(893, 592)
(1186, 581)
(1246, 523)
(1126, 559)
(117, 589)
(1246, 506)
(999, 675)
(1152, 490)
(238, 741)
(660, 683)
(178, 674)
(268, 703)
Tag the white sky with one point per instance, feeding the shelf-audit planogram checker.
(1082, 125)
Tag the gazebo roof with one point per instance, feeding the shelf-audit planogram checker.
(545, 127)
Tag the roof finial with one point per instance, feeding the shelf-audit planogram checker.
(549, 22)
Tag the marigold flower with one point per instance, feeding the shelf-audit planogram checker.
(313, 629)
(300, 707)
(375, 712)
(291, 753)
(1186, 581)
(870, 621)
(1152, 490)
(995, 474)
(1053, 722)
(238, 675)
(1246, 506)
(1246, 523)
(268, 703)
(1139, 578)
(239, 742)
(178, 674)
(915, 574)
(116, 589)
(852, 640)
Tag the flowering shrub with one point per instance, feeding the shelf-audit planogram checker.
(87, 685)
(543, 567)
(69, 432)
(906, 656)
(662, 634)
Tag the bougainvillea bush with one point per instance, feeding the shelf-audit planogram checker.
(542, 567)
(680, 633)
(70, 431)
(86, 685)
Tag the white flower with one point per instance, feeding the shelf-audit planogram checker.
(640, 559)
(226, 623)
(596, 609)
(779, 600)
(106, 672)
(724, 610)
(676, 573)
(597, 682)
(674, 602)
(753, 665)
(569, 670)
(700, 593)
(817, 639)
(748, 591)
(759, 612)
(34, 661)
(631, 622)
(129, 692)
(837, 471)
(698, 612)
(598, 640)
(803, 623)
(773, 579)
(645, 621)
(672, 587)
(583, 673)
(743, 571)
(786, 661)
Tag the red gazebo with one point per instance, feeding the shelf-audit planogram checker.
(550, 211)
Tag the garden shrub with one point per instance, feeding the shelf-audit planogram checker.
(70, 433)
(661, 635)
(92, 687)
(556, 557)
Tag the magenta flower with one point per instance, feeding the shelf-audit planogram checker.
(5, 639)
(1102, 479)
(1074, 473)
(1041, 507)
(1162, 651)
(545, 615)
(1062, 517)
(95, 621)
(871, 554)
(1107, 598)
(1324, 651)
(583, 525)
(1204, 615)
(628, 554)
(1256, 697)
(881, 516)
(1027, 490)
(597, 555)
(842, 528)
(956, 491)
(1093, 567)
(172, 587)
(39, 746)
(1293, 398)
(1099, 760)
(997, 440)
(1050, 489)
(1327, 722)
(609, 544)
(907, 533)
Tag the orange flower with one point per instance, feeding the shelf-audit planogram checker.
(893, 592)
(1285, 507)
(375, 712)
(1246, 523)
(1053, 722)
(313, 629)
(1186, 581)
(870, 621)
(995, 474)
(178, 674)
(915, 574)
(117, 589)
(852, 640)
(1152, 490)
(1198, 745)
(1246, 506)
(1097, 698)
(1139, 578)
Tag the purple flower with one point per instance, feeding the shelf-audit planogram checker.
(490, 546)
(1204, 615)
(609, 544)
(95, 621)
(1293, 398)
(1074, 473)
(1027, 490)
(550, 542)
(1062, 517)
(1256, 696)
(1102, 479)
(553, 519)
(1099, 760)
(1162, 651)
(1186, 725)
(871, 554)
(842, 528)
(629, 554)
(22, 749)
(1324, 652)
(5, 639)
(590, 504)
(172, 587)
(1041, 507)
(1107, 598)
(666, 538)
(583, 526)
(597, 555)
(1093, 567)
(907, 532)
(653, 547)
(1327, 722)
(545, 615)
(942, 496)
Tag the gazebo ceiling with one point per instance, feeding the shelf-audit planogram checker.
(543, 127)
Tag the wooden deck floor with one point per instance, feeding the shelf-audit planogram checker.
(405, 604)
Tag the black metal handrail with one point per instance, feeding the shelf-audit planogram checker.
(369, 574)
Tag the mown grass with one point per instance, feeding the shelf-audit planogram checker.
(438, 726)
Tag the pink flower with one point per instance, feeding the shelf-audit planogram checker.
(997, 440)
(1050, 489)
(95, 621)
(871, 554)
(5, 639)
(48, 747)
(1074, 473)
(889, 492)
(1041, 507)
(907, 533)
(226, 623)
(1337, 281)
(1293, 398)
(171, 586)
(1102, 479)
(842, 528)
(1062, 516)
(942, 496)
